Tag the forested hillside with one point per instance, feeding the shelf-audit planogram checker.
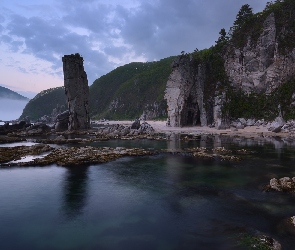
(6, 93)
(127, 91)
(44, 102)
(124, 93)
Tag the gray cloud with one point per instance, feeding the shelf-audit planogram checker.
(98, 31)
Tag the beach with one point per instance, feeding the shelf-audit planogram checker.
(248, 132)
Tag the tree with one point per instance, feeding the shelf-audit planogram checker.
(222, 36)
(244, 15)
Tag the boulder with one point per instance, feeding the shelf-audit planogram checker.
(135, 124)
(38, 129)
(62, 121)
(250, 122)
(242, 121)
(285, 184)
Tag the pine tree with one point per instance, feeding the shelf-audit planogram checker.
(244, 15)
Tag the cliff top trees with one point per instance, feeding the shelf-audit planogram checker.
(244, 15)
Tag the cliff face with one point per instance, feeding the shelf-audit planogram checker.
(203, 91)
(185, 92)
(260, 68)
(77, 91)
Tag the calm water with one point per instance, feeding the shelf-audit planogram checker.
(156, 202)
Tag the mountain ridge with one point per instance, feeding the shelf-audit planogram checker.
(6, 93)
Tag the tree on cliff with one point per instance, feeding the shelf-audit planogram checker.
(244, 15)
(222, 37)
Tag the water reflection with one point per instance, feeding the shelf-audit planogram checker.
(75, 190)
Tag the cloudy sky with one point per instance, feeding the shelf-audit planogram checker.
(35, 34)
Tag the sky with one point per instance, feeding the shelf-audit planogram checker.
(35, 34)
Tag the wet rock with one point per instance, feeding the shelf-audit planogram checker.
(206, 154)
(7, 128)
(285, 184)
(8, 154)
(38, 129)
(8, 139)
(85, 155)
(222, 150)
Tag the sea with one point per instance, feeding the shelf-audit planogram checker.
(11, 109)
(166, 201)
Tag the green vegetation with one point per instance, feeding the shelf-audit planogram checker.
(246, 105)
(248, 24)
(44, 102)
(126, 91)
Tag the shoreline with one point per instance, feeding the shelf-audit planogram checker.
(248, 132)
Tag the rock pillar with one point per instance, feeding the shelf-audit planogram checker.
(77, 91)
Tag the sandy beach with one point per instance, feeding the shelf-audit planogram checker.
(249, 131)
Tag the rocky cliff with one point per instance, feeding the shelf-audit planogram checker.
(259, 66)
(185, 93)
(247, 74)
(77, 91)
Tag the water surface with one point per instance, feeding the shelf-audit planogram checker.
(154, 202)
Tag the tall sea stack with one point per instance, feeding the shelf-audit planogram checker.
(77, 91)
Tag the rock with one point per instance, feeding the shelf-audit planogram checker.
(276, 129)
(185, 93)
(250, 122)
(38, 129)
(135, 124)
(242, 121)
(239, 125)
(285, 184)
(7, 128)
(8, 154)
(72, 156)
(62, 121)
(146, 128)
(259, 123)
(275, 185)
(77, 91)
(258, 66)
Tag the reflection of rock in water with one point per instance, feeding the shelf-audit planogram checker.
(75, 190)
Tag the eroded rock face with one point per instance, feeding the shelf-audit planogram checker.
(260, 68)
(77, 91)
(185, 92)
